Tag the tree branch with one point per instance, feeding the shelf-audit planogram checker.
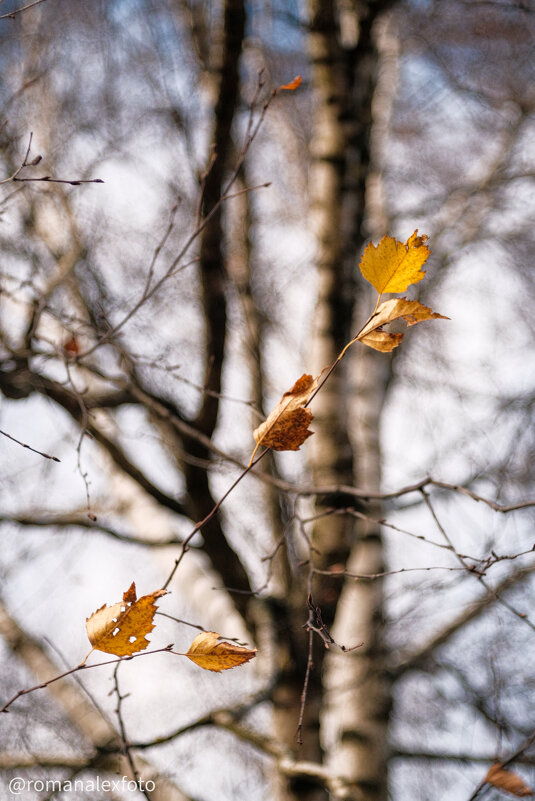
(417, 658)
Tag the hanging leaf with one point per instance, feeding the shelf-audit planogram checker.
(121, 629)
(393, 266)
(209, 654)
(503, 779)
(286, 428)
(295, 84)
(410, 311)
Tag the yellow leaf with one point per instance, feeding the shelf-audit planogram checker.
(410, 311)
(505, 780)
(393, 266)
(208, 654)
(286, 428)
(120, 629)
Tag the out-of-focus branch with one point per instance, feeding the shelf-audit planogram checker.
(78, 521)
(417, 658)
(213, 271)
(13, 14)
(285, 763)
(21, 383)
(465, 757)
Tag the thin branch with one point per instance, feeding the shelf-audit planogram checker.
(250, 136)
(73, 521)
(504, 763)
(488, 759)
(198, 627)
(122, 731)
(209, 516)
(81, 666)
(49, 180)
(29, 447)
(418, 657)
(12, 14)
(472, 570)
(14, 177)
(304, 692)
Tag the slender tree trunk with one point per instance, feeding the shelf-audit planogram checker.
(352, 703)
(355, 706)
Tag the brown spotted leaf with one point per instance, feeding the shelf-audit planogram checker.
(209, 654)
(410, 311)
(121, 629)
(286, 428)
(503, 779)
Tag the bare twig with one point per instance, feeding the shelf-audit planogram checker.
(209, 516)
(77, 520)
(29, 447)
(25, 163)
(474, 571)
(81, 666)
(12, 14)
(304, 692)
(250, 135)
(127, 749)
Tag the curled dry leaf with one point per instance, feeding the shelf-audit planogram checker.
(503, 779)
(393, 266)
(410, 311)
(121, 629)
(209, 654)
(286, 428)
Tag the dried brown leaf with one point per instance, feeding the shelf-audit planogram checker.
(411, 311)
(286, 428)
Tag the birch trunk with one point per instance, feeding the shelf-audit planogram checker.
(346, 450)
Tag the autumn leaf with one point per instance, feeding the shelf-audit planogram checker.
(209, 654)
(410, 311)
(295, 84)
(393, 266)
(121, 629)
(503, 779)
(286, 428)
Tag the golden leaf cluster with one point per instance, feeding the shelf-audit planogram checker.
(121, 629)
(391, 267)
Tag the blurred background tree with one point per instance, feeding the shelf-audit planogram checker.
(147, 325)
